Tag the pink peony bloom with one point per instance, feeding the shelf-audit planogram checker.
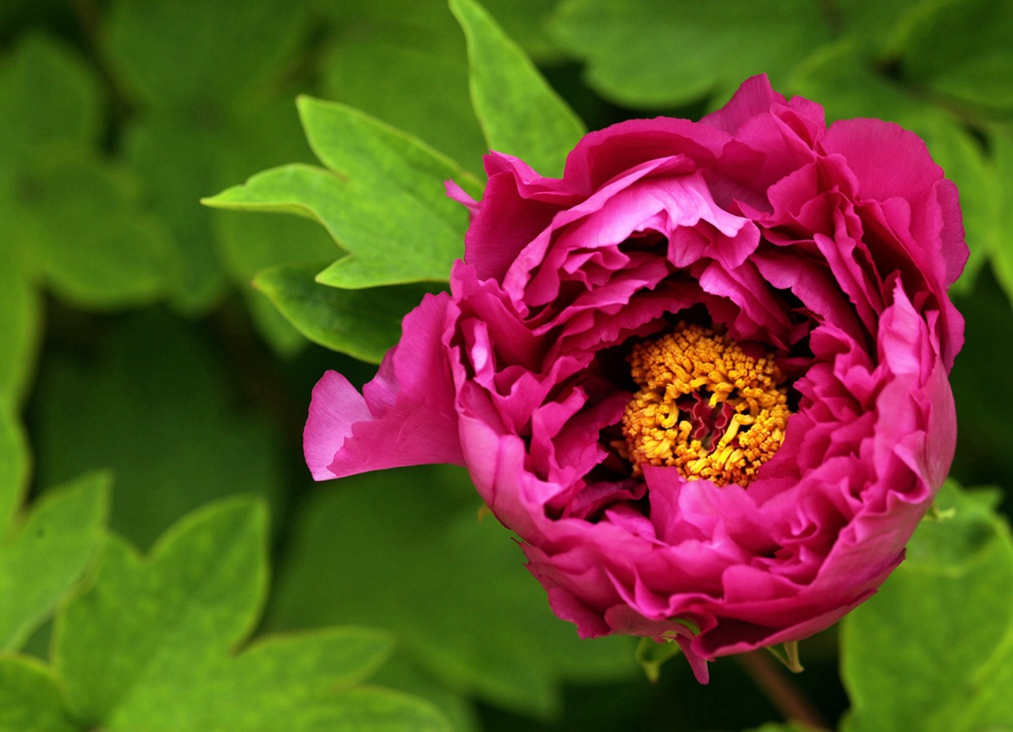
(703, 376)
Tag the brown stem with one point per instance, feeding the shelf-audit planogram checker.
(780, 690)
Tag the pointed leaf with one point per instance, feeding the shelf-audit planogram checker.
(934, 649)
(362, 323)
(41, 560)
(382, 200)
(520, 113)
(145, 620)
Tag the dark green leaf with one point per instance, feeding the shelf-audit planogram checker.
(520, 113)
(176, 52)
(30, 698)
(934, 649)
(1001, 251)
(43, 558)
(47, 94)
(939, 51)
(177, 157)
(651, 53)
(362, 323)
(155, 404)
(80, 222)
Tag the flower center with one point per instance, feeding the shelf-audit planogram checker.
(705, 406)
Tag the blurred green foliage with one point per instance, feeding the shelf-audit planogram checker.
(150, 338)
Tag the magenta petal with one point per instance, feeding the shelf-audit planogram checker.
(406, 414)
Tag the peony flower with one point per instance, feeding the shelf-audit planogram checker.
(702, 376)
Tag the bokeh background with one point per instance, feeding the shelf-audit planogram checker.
(131, 338)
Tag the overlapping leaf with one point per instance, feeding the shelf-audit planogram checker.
(151, 645)
(520, 113)
(43, 556)
(451, 587)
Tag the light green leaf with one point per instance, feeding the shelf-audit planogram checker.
(934, 649)
(30, 698)
(962, 49)
(450, 586)
(387, 210)
(653, 53)
(378, 710)
(282, 683)
(42, 559)
(146, 620)
(151, 644)
(520, 113)
(179, 52)
(362, 323)
(158, 406)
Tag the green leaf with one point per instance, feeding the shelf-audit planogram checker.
(520, 113)
(389, 212)
(20, 325)
(362, 323)
(151, 644)
(43, 558)
(382, 200)
(1001, 251)
(450, 586)
(143, 621)
(229, 47)
(934, 649)
(405, 62)
(939, 52)
(81, 224)
(282, 683)
(175, 182)
(30, 698)
(653, 53)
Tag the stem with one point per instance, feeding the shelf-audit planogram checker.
(780, 690)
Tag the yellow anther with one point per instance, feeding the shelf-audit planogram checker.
(698, 366)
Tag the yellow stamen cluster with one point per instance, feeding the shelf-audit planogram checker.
(697, 363)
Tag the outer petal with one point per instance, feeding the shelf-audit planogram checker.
(405, 416)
